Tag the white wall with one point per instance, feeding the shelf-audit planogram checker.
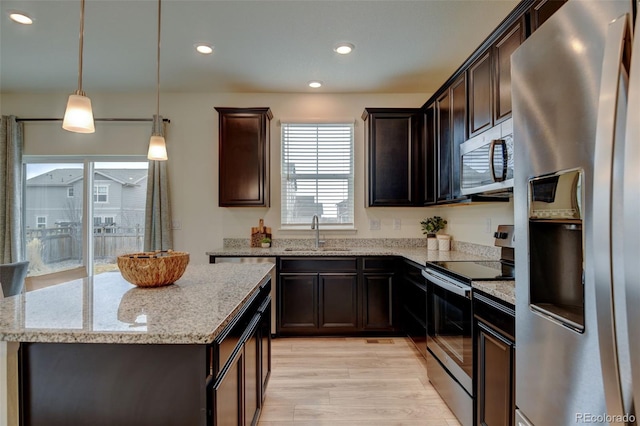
(193, 157)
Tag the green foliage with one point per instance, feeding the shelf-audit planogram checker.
(266, 240)
(433, 224)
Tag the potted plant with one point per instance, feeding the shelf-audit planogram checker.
(266, 242)
(430, 227)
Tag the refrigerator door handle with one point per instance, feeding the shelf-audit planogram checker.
(600, 225)
(631, 206)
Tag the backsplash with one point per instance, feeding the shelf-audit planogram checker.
(461, 246)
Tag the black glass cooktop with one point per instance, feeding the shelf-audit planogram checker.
(476, 270)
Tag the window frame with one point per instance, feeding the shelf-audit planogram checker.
(285, 176)
(97, 194)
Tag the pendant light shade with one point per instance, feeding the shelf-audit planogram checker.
(78, 116)
(157, 146)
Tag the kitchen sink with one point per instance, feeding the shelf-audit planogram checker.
(316, 249)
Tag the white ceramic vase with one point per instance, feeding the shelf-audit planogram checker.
(444, 242)
(432, 243)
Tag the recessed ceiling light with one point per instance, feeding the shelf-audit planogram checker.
(344, 48)
(205, 49)
(315, 84)
(20, 18)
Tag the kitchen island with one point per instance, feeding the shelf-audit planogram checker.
(101, 351)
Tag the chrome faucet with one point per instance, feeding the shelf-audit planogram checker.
(315, 224)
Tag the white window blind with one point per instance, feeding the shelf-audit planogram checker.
(317, 174)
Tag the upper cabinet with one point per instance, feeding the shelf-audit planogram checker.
(451, 120)
(244, 157)
(502, 50)
(429, 156)
(541, 11)
(393, 140)
(490, 81)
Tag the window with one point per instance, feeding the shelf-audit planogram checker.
(70, 192)
(41, 222)
(317, 174)
(100, 193)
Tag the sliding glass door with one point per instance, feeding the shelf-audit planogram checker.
(81, 214)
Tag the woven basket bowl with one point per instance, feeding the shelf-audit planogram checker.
(153, 269)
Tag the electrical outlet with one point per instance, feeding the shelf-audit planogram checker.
(397, 224)
(374, 224)
(176, 224)
(487, 226)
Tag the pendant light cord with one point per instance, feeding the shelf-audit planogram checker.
(81, 44)
(158, 68)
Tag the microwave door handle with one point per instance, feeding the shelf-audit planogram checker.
(492, 166)
(599, 264)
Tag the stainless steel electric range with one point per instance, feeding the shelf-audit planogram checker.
(450, 322)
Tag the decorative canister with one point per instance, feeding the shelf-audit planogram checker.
(432, 243)
(444, 242)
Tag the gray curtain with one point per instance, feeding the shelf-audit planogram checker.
(157, 226)
(11, 140)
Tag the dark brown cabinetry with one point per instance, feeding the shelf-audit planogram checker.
(541, 11)
(413, 301)
(495, 361)
(429, 156)
(480, 95)
(243, 157)
(502, 50)
(318, 295)
(378, 288)
(490, 81)
(220, 383)
(329, 296)
(393, 138)
(242, 355)
(451, 113)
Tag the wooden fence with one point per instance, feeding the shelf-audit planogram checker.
(65, 243)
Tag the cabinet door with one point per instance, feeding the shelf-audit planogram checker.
(265, 349)
(502, 51)
(542, 10)
(495, 360)
(430, 151)
(252, 379)
(377, 301)
(243, 157)
(444, 146)
(227, 394)
(480, 95)
(298, 302)
(338, 302)
(458, 92)
(393, 156)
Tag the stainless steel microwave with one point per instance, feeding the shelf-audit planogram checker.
(487, 162)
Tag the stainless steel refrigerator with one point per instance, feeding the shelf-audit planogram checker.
(576, 109)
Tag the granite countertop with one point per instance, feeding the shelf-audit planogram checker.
(107, 309)
(419, 255)
(503, 290)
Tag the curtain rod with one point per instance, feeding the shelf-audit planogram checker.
(166, 120)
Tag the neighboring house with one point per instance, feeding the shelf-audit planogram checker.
(54, 198)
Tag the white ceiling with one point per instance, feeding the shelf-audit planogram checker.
(260, 46)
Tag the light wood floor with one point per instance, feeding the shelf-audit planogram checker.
(351, 381)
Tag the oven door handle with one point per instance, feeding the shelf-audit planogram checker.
(447, 285)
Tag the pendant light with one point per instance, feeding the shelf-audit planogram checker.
(79, 117)
(157, 146)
